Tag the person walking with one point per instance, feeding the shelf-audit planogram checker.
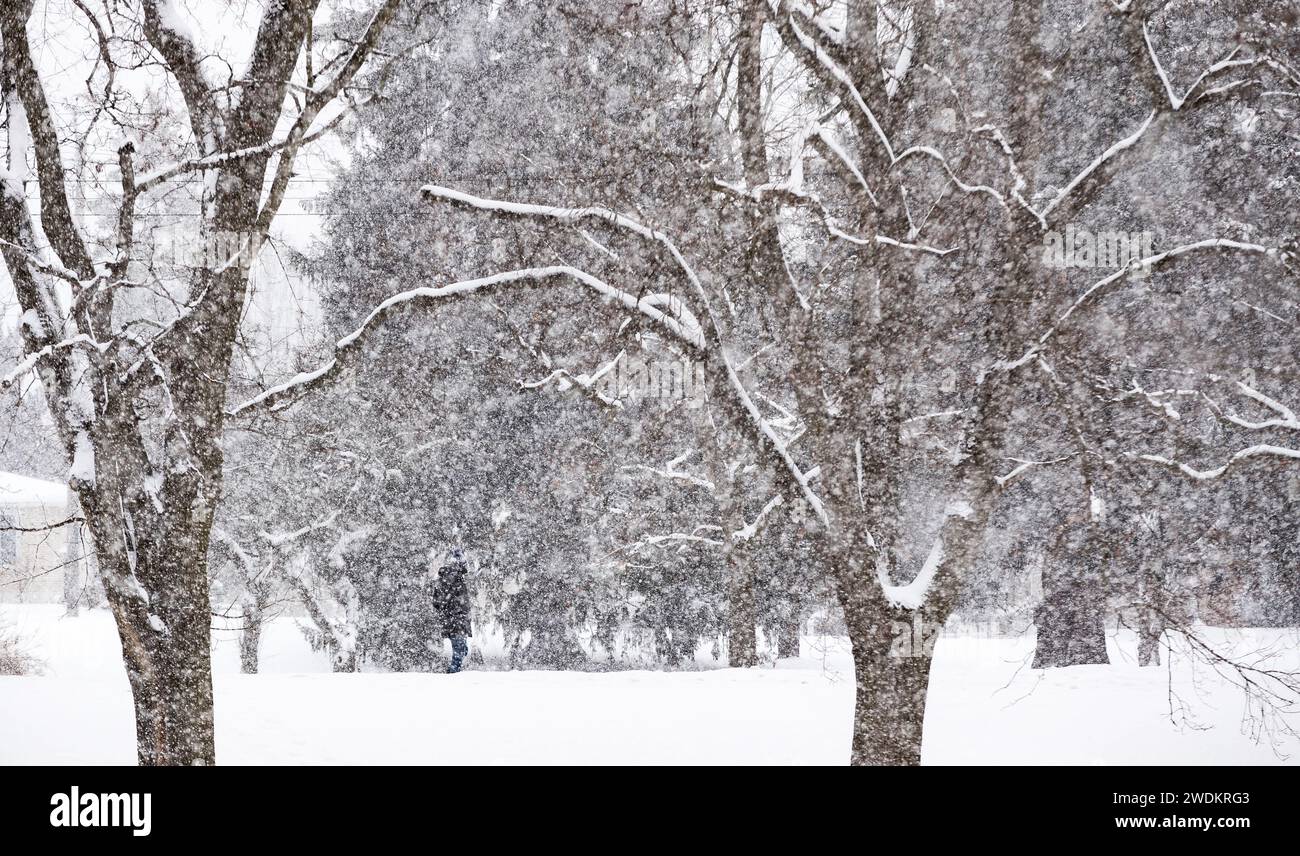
(451, 598)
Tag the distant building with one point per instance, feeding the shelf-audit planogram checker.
(39, 564)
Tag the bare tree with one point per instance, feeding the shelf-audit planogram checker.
(139, 403)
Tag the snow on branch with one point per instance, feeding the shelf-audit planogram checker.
(30, 362)
(347, 348)
(913, 594)
(357, 58)
(825, 66)
(1287, 415)
(905, 245)
(280, 539)
(809, 14)
(26, 103)
(1176, 101)
(221, 159)
(1262, 450)
(751, 529)
(1023, 466)
(316, 100)
(1121, 145)
(789, 192)
(169, 35)
(835, 154)
(563, 379)
(51, 268)
(784, 20)
(670, 471)
(1093, 174)
(681, 538)
(964, 187)
(711, 339)
(1099, 288)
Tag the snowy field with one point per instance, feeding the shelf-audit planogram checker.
(986, 707)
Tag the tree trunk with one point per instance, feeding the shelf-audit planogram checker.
(151, 540)
(250, 639)
(1149, 632)
(166, 645)
(742, 616)
(723, 450)
(1070, 635)
(71, 583)
(147, 474)
(889, 711)
(1151, 615)
(1071, 620)
(787, 638)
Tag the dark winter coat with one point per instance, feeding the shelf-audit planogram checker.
(451, 599)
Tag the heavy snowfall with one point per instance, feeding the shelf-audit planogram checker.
(881, 382)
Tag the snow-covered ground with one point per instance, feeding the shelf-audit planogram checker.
(986, 706)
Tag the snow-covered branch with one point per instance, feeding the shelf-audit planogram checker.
(670, 471)
(32, 360)
(353, 344)
(1286, 417)
(913, 595)
(751, 529)
(158, 176)
(1100, 288)
(1151, 130)
(837, 156)
(712, 340)
(1023, 466)
(825, 67)
(1262, 450)
(1121, 145)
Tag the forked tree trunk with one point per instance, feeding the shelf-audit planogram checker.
(141, 421)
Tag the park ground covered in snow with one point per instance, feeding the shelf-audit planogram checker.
(985, 706)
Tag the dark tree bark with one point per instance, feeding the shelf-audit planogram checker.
(787, 638)
(742, 613)
(889, 711)
(1071, 620)
(1070, 636)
